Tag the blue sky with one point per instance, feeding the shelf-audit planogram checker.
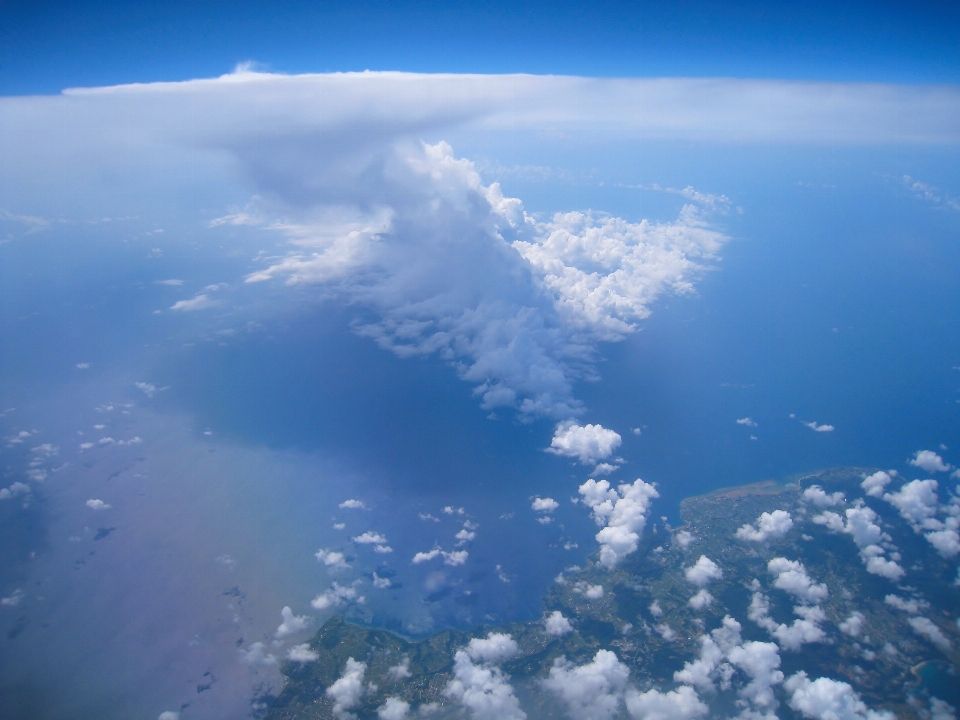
(47, 46)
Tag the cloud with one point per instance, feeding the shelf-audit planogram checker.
(201, 301)
(401, 671)
(481, 687)
(819, 428)
(302, 653)
(769, 525)
(393, 709)
(746, 421)
(592, 691)
(874, 484)
(370, 538)
(169, 715)
(714, 647)
(422, 557)
(930, 461)
(805, 629)
(464, 536)
(701, 600)
(853, 624)
(818, 496)
(862, 524)
(940, 710)
(587, 443)
(683, 538)
(911, 606)
(917, 501)
(291, 624)
(591, 592)
(703, 572)
(381, 583)
(826, 699)
(95, 504)
(928, 629)
(352, 504)
(335, 596)
(333, 560)
(623, 512)
(761, 662)
(680, 704)
(556, 624)
(546, 505)
(348, 689)
(455, 558)
(792, 578)
(256, 654)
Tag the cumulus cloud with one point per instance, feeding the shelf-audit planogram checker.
(333, 560)
(853, 624)
(761, 662)
(702, 599)
(768, 526)
(927, 628)
(819, 428)
(746, 421)
(335, 596)
(556, 624)
(256, 654)
(805, 629)
(400, 671)
(917, 502)
(873, 485)
(168, 715)
(862, 524)
(714, 648)
(291, 623)
(479, 685)
(546, 505)
(819, 497)
(930, 461)
(826, 699)
(587, 443)
(791, 577)
(422, 557)
(623, 512)
(352, 504)
(302, 653)
(912, 605)
(96, 504)
(370, 538)
(592, 691)
(393, 709)
(201, 301)
(703, 572)
(348, 689)
(680, 704)
(455, 558)
(683, 538)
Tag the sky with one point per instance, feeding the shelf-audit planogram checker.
(259, 307)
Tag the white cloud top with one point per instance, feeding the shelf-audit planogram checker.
(862, 524)
(556, 624)
(587, 443)
(291, 623)
(768, 526)
(623, 512)
(333, 560)
(873, 485)
(348, 689)
(792, 578)
(826, 699)
(546, 505)
(591, 691)
(703, 572)
(930, 461)
(302, 653)
(481, 687)
(819, 497)
(393, 709)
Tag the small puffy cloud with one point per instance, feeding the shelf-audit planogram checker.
(819, 428)
(853, 624)
(791, 577)
(665, 631)
(291, 624)
(348, 689)
(928, 629)
(701, 600)
(768, 526)
(335, 596)
(946, 541)
(591, 592)
(546, 505)
(556, 624)
(680, 704)
(703, 572)
(257, 654)
(588, 443)
(873, 485)
(302, 653)
(86, 445)
(422, 557)
(826, 699)
(655, 609)
(201, 301)
(382, 549)
(714, 648)
(930, 461)
(683, 538)
(19, 488)
(95, 504)
(911, 606)
(761, 662)
(400, 671)
(592, 691)
(455, 558)
(451, 510)
(464, 536)
(917, 501)
(819, 497)
(394, 709)
(169, 715)
(370, 538)
(333, 560)
(148, 389)
(604, 469)
(352, 504)
(746, 421)
(805, 629)
(624, 512)
(481, 687)
(13, 599)
(381, 583)
(170, 283)
(862, 523)
(941, 710)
